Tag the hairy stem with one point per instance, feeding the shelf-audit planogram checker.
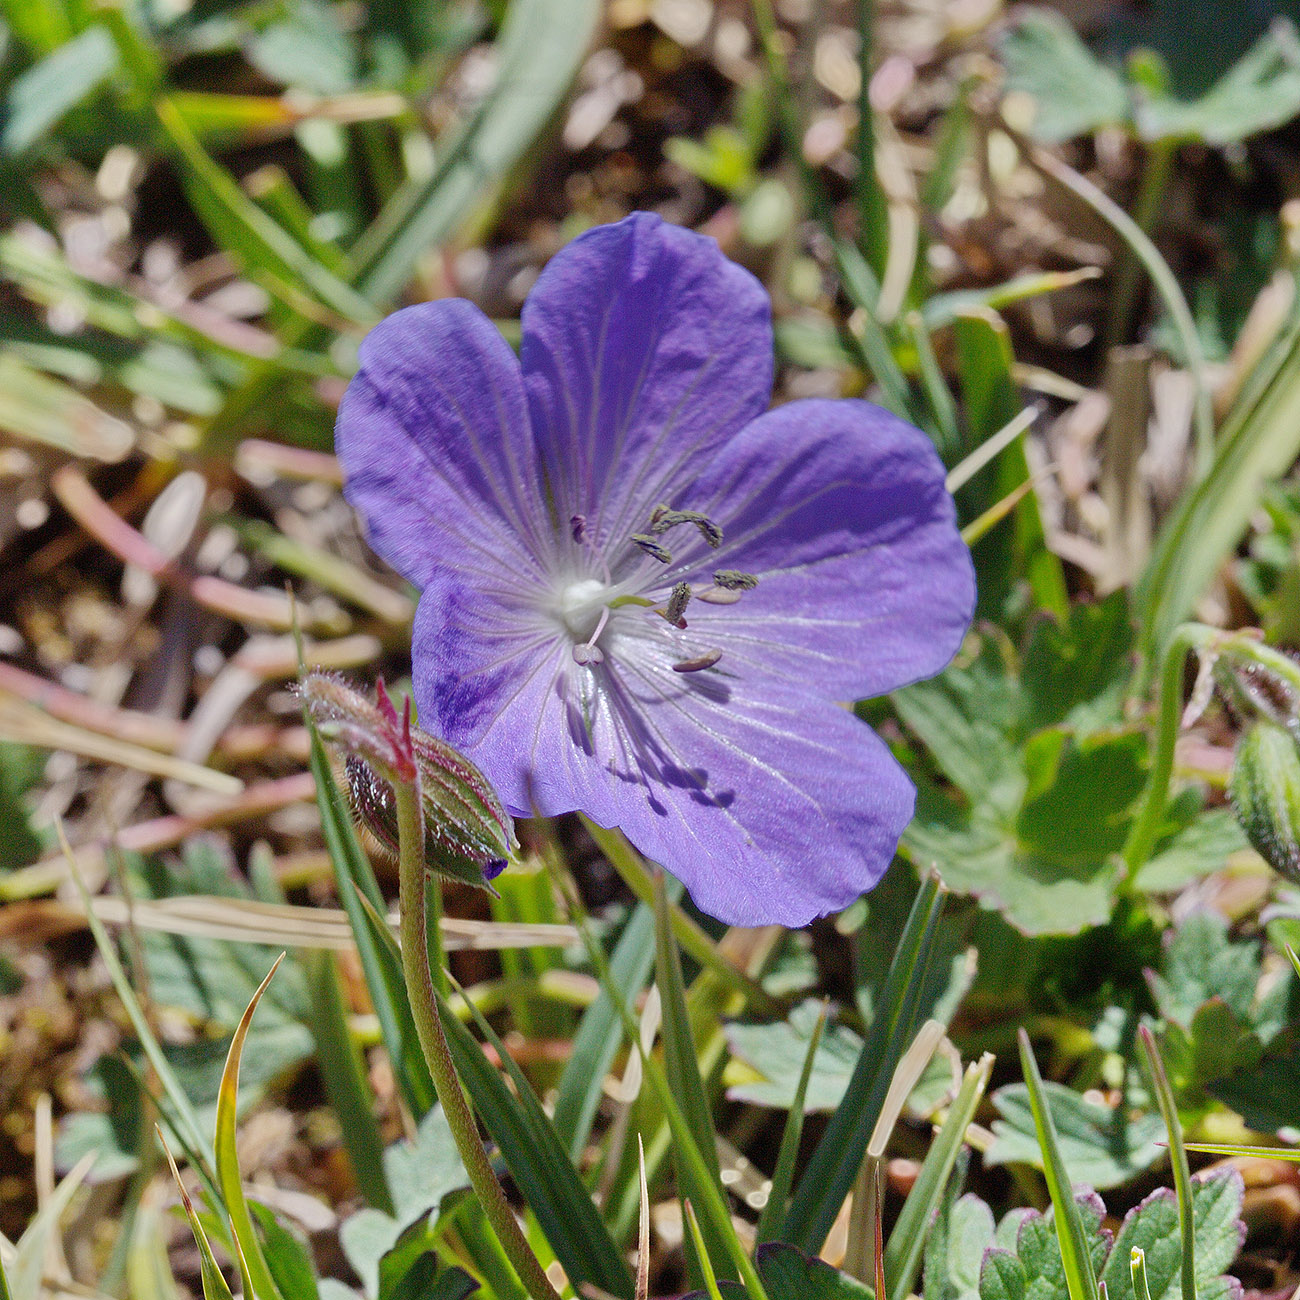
(1190, 636)
(425, 1009)
(1146, 825)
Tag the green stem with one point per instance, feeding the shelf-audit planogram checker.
(1156, 171)
(1146, 825)
(1164, 280)
(1190, 636)
(425, 1009)
(1177, 1158)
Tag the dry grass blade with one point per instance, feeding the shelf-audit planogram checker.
(643, 1228)
(26, 724)
(38, 407)
(989, 450)
(97, 517)
(160, 833)
(279, 924)
(909, 1071)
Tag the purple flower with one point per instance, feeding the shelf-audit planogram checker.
(643, 596)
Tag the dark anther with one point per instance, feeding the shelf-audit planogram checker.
(652, 548)
(677, 602)
(662, 518)
(579, 526)
(735, 580)
(699, 663)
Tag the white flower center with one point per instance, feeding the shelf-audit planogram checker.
(580, 604)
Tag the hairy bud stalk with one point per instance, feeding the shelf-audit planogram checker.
(1265, 792)
(468, 835)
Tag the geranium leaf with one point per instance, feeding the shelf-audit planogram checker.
(1100, 1146)
(778, 1050)
(1153, 1227)
(420, 1173)
(1074, 92)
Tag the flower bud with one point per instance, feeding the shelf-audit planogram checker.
(1254, 689)
(468, 835)
(1265, 792)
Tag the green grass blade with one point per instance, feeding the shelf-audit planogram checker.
(681, 1065)
(214, 1282)
(1177, 1158)
(772, 1218)
(381, 961)
(907, 1240)
(600, 1033)
(835, 1162)
(1137, 1263)
(38, 96)
(701, 1252)
(695, 943)
(227, 1157)
(991, 400)
(715, 1203)
(1080, 1276)
(938, 396)
(872, 343)
(39, 407)
(250, 234)
(536, 1158)
(346, 1086)
(184, 1120)
(479, 1249)
(1164, 280)
(541, 45)
(42, 25)
(943, 308)
(1258, 442)
(271, 188)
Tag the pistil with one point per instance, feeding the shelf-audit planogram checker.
(586, 599)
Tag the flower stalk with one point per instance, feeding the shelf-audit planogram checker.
(1227, 646)
(425, 1007)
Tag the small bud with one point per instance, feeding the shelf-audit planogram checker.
(1264, 789)
(468, 835)
(1252, 688)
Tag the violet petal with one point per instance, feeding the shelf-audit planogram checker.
(436, 448)
(644, 349)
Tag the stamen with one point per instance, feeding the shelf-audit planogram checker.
(735, 580)
(699, 663)
(677, 602)
(662, 518)
(652, 548)
(717, 595)
(578, 530)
